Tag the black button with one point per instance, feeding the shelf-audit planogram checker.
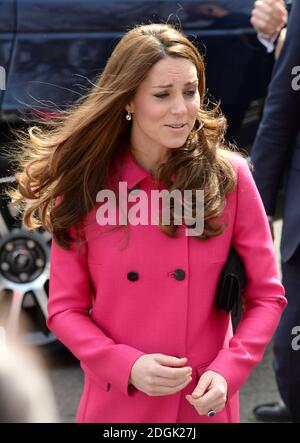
(179, 274)
(132, 276)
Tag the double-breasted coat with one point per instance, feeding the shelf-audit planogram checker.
(134, 290)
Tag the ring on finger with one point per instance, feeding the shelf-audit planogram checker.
(211, 412)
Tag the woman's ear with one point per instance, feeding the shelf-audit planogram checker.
(129, 108)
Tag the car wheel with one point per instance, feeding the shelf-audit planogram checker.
(24, 278)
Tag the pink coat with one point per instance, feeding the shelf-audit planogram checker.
(108, 321)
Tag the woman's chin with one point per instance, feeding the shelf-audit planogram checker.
(174, 144)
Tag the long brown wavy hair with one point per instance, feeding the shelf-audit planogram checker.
(71, 154)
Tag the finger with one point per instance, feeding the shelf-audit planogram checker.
(263, 27)
(271, 18)
(163, 390)
(205, 402)
(212, 398)
(219, 406)
(202, 386)
(172, 383)
(200, 410)
(276, 21)
(169, 360)
(171, 373)
(262, 6)
(203, 410)
(259, 23)
(191, 400)
(261, 16)
(280, 9)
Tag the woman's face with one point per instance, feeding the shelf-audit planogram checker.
(165, 105)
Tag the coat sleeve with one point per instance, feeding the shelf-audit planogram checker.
(264, 298)
(70, 302)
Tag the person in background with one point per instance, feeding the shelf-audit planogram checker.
(276, 159)
(269, 18)
(26, 394)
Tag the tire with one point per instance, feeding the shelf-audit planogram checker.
(24, 278)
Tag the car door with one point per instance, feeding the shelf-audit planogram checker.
(62, 45)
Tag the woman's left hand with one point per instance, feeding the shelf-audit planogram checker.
(210, 393)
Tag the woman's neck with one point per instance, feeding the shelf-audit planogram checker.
(149, 159)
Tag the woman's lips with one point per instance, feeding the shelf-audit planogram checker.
(177, 129)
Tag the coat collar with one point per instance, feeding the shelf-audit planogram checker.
(131, 171)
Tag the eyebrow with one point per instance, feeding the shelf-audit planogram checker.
(170, 85)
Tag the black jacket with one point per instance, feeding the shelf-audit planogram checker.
(276, 151)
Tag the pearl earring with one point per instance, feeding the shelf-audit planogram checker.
(128, 116)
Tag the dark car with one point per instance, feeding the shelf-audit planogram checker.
(50, 52)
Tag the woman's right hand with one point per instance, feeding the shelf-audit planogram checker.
(159, 374)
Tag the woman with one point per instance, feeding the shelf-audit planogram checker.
(135, 303)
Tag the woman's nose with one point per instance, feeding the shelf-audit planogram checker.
(178, 106)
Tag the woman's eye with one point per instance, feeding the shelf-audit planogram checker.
(161, 95)
(191, 93)
(188, 93)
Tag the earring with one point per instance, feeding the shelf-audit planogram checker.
(128, 116)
